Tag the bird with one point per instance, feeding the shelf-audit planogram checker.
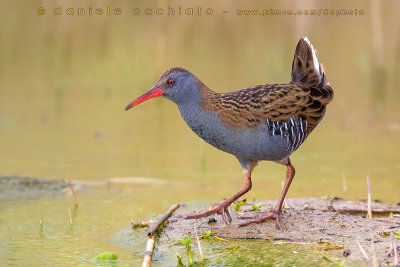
(261, 123)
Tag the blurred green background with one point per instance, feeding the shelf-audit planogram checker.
(64, 81)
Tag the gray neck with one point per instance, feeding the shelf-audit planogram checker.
(190, 106)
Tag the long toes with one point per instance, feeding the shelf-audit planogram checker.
(223, 215)
(179, 216)
(278, 223)
(261, 218)
(247, 217)
(228, 215)
(224, 218)
(187, 216)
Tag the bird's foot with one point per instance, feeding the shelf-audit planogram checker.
(261, 218)
(221, 209)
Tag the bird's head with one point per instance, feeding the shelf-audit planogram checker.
(176, 84)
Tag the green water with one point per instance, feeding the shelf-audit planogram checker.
(64, 82)
(101, 223)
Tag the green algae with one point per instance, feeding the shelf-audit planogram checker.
(106, 256)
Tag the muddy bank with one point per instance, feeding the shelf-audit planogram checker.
(321, 224)
(316, 231)
(17, 187)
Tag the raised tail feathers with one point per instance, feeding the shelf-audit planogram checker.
(307, 72)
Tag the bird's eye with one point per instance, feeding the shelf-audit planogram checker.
(171, 82)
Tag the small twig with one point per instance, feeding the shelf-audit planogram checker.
(362, 250)
(374, 263)
(328, 259)
(344, 183)
(199, 245)
(363, 210)
(395, 255)
(41, 224)
(369, 198)
(219, 238)
(73, 192)
(70, 216)
(142, 223)
(226, 238)
(149, 251)
(153, 227)
(152, 238)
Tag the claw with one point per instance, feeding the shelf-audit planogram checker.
(278, 223)
(229, 216)
(226, 217)
(221, 209)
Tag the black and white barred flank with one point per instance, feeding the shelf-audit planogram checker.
(294, 130)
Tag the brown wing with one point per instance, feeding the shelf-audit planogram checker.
(277, 102)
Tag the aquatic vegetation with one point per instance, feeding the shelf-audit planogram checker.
(256, 206)
(207, 234)
(186, 241)
(106, 256)
(238, 205)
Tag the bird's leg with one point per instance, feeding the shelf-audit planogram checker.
(278, 207)
(222, 209)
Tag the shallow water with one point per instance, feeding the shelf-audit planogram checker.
(101, 223)
(64, 82)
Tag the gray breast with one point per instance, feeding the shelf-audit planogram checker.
(271, 141)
